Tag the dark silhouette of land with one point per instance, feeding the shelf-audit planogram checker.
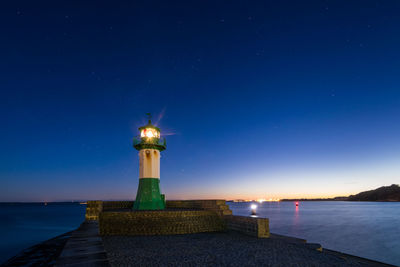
(384, 193)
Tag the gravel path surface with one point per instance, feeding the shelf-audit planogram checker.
(217, 249)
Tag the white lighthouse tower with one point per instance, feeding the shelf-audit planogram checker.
(149, 144)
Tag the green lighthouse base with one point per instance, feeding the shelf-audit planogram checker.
(148, 196)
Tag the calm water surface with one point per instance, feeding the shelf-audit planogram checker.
(24, 225)
(366, 229)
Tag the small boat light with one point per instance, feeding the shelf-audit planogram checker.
(253, 209)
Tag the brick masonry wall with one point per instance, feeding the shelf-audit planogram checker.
(258, 227)
(159, 222)
(111, 205)
(93, 209)
(217, 205)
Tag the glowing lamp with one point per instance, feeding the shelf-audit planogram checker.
(253, 209)
(149, 133)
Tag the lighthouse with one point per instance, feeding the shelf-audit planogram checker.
(149, 144)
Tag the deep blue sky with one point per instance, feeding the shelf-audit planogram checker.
(258, 99)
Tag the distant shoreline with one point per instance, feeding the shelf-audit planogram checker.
(382, 194)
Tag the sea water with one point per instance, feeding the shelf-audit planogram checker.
(26, 224)
(366, 229)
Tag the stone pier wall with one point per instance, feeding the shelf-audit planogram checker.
(160, 222)
(114, 218)
(217, 205)
(94, 208)
(253, 226)
(113, 205)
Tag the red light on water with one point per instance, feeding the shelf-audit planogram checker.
(297, 204)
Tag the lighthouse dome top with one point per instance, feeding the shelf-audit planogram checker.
(149, 125)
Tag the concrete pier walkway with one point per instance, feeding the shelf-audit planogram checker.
(84, 248)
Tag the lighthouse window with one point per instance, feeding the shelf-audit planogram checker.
(149, 132)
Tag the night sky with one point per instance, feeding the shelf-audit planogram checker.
(257, 99)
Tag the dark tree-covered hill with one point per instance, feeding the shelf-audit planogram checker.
(384, 193)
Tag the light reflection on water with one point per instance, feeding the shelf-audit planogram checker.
(366, 229)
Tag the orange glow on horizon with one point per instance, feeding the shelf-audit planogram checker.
(255, 198)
